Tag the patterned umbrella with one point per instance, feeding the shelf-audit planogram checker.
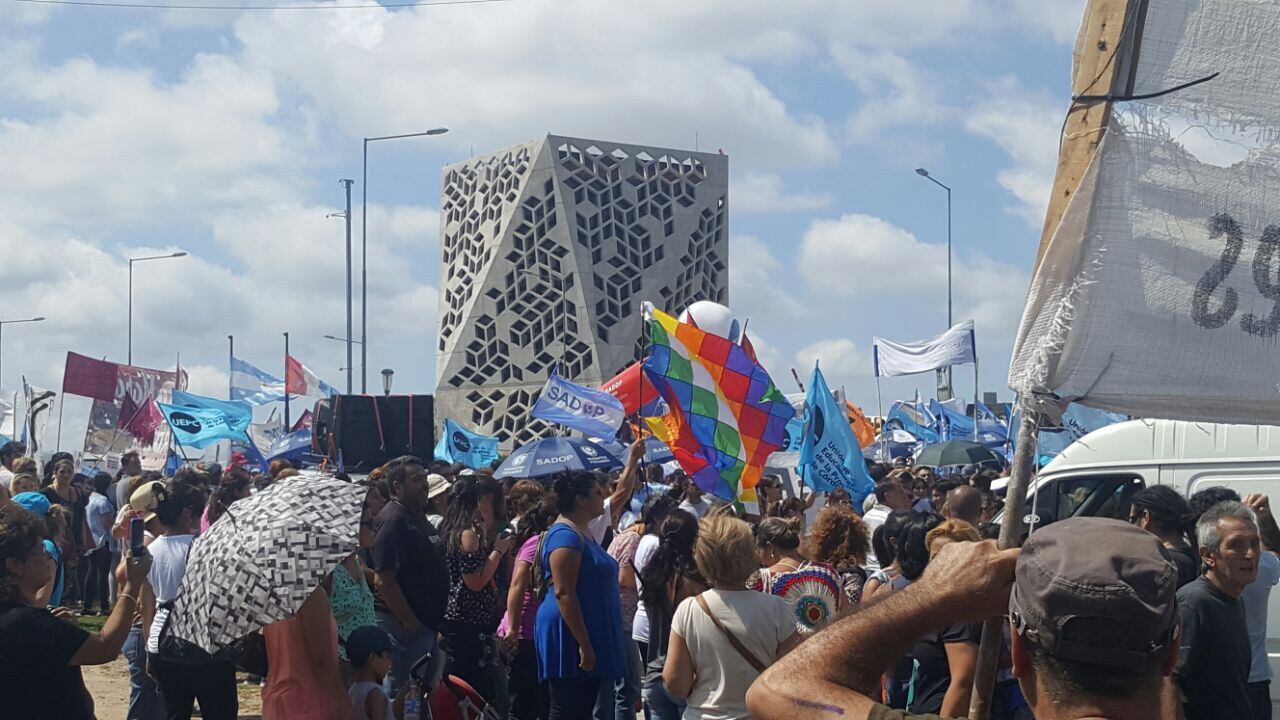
(264, 557)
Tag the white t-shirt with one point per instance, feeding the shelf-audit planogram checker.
(759, 621)
(644, 553)
(874, 518)
(1255, 599)
(168, 565)
(600, 525)
(697, 509)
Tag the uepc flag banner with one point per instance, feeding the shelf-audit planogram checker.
(594, 412)
(829, 453)
(953, 347)
(459, 445)
(199, 427)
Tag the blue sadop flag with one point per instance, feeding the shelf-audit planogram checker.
(199, 427)
(254, 386)
(595, 413)
(829, 452)
(459, 445)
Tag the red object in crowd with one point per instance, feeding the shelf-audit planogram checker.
(632, 389)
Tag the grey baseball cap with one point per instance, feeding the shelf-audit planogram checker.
(1096, 591)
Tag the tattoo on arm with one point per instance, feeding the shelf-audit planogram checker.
(823, 707)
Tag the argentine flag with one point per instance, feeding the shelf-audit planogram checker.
(252, 385)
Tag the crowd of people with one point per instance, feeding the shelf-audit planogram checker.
(584, 595)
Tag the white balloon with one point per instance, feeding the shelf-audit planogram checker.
(714, 318)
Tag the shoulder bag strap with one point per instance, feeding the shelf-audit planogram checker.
(737, 644)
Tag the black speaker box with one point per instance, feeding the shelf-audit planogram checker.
(369, 430)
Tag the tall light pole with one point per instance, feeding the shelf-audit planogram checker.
(925, 174)
(178, 254)
(12, 322)
(348, 341)
(346, 216)
(364, 274)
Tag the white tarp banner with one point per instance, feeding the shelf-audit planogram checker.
(1159, 293)
(953, 347)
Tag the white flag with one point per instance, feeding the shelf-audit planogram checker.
(953, 347)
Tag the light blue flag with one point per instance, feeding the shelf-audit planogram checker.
(459, 445)
(1077, 421)
(829, 452)
(954, 425)
(595, 413)
(239, 414)
(253, 385)
(199, 427)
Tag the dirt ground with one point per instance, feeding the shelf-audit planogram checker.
(109, 686)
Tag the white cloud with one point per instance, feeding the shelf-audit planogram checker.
(897, 92)
(1026, 125)
(763, 192)
(128, 146)
(841, 360)
(1060, 19)
(207, 380)
(758, 284)
(575, 67)
(861, 256)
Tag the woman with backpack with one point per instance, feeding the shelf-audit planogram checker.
(669, 577)
(528, 697)
(578, 631)
(177, 506)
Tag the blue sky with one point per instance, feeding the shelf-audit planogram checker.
(224, 134)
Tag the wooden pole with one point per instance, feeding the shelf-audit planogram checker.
(1105, 62)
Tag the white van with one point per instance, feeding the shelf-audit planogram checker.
(1096, 475)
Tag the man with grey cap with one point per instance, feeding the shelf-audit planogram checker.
(1092, 614)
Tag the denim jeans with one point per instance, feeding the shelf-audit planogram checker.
(572, 698)
(145, 702)
(407, 652)
(661, 706)
(617, 700)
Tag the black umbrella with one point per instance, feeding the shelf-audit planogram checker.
(955, 452)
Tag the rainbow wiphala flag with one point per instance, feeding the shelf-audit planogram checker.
(726, 416)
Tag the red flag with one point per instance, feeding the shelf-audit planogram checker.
(145, 421)
(632, 389)
(90, 378)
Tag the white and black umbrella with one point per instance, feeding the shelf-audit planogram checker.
(261, 560)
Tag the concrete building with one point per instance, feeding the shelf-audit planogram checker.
(547, 250)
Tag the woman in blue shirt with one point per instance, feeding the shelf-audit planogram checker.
(578, 632)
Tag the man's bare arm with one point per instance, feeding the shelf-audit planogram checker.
(837, 672)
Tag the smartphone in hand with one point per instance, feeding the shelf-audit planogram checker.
(137, 539)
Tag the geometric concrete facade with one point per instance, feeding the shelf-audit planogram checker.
(548, 249)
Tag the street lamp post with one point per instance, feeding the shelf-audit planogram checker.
(925, 174)
(178, 254)
(364, 275)
(349, 342)
(12, 322)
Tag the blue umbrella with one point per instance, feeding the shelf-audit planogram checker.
(655, 451)
(552, 455)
